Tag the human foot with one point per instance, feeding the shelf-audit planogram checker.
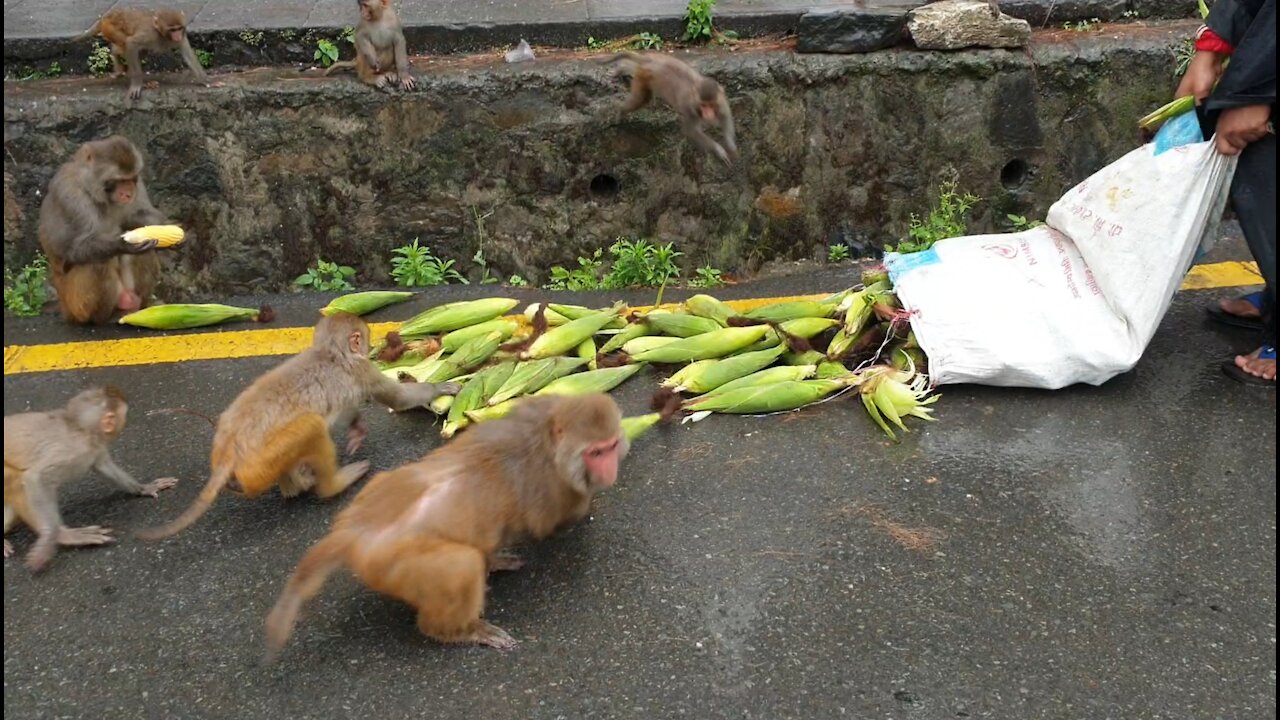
(1256, 368)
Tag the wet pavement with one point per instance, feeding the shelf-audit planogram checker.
(1088, 553)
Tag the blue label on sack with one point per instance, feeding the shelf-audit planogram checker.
(1181, 130)
(899, 264)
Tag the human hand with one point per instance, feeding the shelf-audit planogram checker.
(1242, 125)
(1202, 74)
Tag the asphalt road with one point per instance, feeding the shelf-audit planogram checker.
(1089, 553)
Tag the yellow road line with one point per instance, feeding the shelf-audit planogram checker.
(161, 349)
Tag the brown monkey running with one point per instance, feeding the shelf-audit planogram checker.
(42, 450)
(131, 30)
(381, 57)
(428, 533)
(277, 431)
(93, 199)
(698, 100)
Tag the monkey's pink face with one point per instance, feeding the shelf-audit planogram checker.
(601, 459)
(367, 12)
(708, 112)
(122, 191)
(175, 35)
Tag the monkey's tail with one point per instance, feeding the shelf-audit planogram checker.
(183, 411)
(620, 56)
(97, 25)
(341, 65)
(315, 568)
(216, 483)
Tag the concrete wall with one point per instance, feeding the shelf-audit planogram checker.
(276, 167)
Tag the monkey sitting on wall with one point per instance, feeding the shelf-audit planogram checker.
(93, 199)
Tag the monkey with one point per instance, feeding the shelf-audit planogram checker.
(93, 199)
(428, 533)
(380, 44)
(697, 99)
(131, 30)
(276, 433)
(42, 450)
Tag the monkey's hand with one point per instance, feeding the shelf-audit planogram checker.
(505, 560)
(407, 82)
(135, 91)
(724, 156)
(153, 489)
(8, 549)
(141, 247)
(356, 435)
(448, 388)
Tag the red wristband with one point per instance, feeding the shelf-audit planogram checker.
(1208, 41)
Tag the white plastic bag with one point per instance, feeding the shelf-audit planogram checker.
(1078, 300)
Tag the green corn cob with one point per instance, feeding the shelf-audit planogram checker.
(584, 383)
(475, 352)
(837, 298)
(183, 317)
(577, 312)
(362, 303)
(456, 339)
(634, 427)
(532, 375)
(811, 357)
(828, 370)
(591, 381)
(469, 398)
(716, 343)
(587, 351)
(646, 343)
(559, 340)
(710, 308)
(452, 316)
(876, 275)
(680, 324)
(692, 370)
(720, 372)
(761, 378)
(789, 395)
(626, 335)
(418, 371)
(804, 328)
(783, 311)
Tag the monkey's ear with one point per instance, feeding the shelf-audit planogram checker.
(108, 422)
(355, 341)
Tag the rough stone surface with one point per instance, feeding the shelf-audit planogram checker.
(858, 30)
(1043, 12)
(958, 24)
(276, 168)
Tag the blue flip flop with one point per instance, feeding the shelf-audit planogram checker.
(1233, 371)
(1226, 318)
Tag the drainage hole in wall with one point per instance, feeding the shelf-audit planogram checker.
(1014, 174)
(605, 186)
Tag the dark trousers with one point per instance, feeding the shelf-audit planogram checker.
(1253, 197)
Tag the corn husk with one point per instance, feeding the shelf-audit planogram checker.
(717, 343)
(453, 316)
(646, 343)
(626, 335)
(718, 372)
(710, 308)
(562, 339)
(505, 327)
(634, 427)
(767, 376)
(363, 303)
(532, 375)
(680, 325)
(778, 397)
(890, 394)
(180, 316)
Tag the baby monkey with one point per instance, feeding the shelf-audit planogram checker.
(276, 433)
(130, 31)
(381, 58)
(698, 100)
(42, 450)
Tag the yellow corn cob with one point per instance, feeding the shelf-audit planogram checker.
(716, 343)
(182, 317)
(164, 235)
(362, 303)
